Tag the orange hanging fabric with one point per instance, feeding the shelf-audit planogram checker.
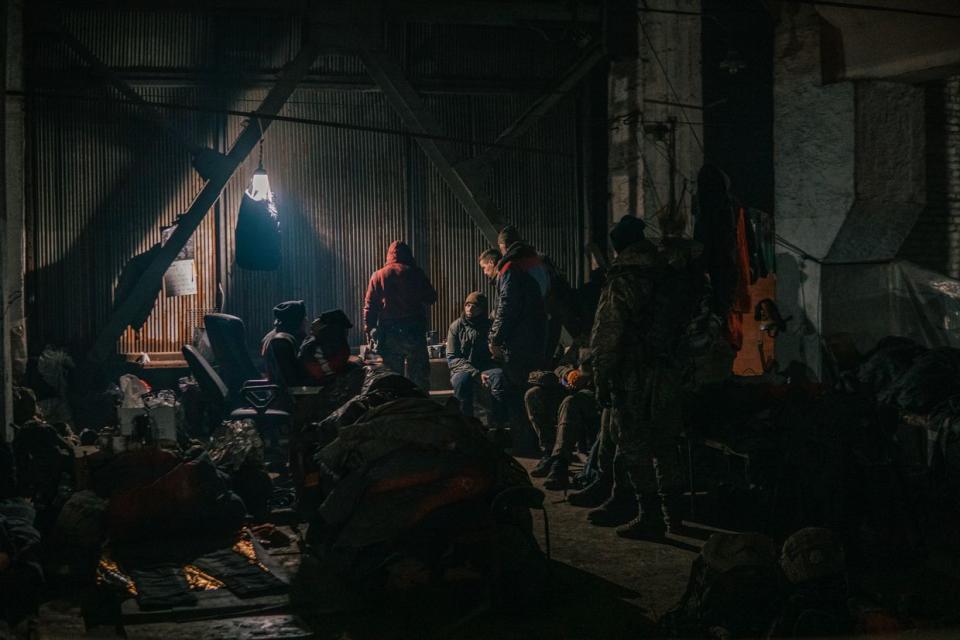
(741, 294)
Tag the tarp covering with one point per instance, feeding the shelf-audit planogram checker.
(892, 299)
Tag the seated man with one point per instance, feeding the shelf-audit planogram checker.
(468, 356)
(326, 352)
(279, 347)
(562, 410)
(577, 424)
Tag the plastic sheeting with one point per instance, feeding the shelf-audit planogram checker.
(870, 302)
(925, 305)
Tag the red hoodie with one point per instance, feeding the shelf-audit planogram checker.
(398, 292)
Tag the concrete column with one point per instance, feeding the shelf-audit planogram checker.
(12, 227)
(644, 95)
(850, 183)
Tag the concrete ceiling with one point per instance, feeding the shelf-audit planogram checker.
(891, 45)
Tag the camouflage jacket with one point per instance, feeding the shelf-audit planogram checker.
(646, 306)
(623, 312)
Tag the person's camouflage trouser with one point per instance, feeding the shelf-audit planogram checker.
(607, 449)
(646, 420)
(405, 344)
(542, 404)
(576, 423)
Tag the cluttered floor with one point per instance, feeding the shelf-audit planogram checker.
(605, 587)
(811, 510)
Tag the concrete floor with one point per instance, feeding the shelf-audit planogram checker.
(603, 587)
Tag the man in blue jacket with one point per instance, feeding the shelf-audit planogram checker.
(518, 334)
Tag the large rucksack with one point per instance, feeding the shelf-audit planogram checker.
(734, 584)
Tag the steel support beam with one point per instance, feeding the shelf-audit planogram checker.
(410, 107)
(246, 142)
(479, 12)
(513, 13)
(146, 110)
(590, 58)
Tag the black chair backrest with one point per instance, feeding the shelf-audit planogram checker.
(211, 385)
(227, 337)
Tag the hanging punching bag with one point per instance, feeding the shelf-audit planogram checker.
(258, 227)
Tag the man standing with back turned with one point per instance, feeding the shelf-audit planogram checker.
(395, 314)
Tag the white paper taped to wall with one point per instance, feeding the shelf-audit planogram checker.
(180, 279)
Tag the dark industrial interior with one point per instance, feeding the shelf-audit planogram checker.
(364, 319)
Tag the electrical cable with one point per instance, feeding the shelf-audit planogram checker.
(666, 77)
(253, 115)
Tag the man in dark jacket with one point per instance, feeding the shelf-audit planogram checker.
(638, 355)
(280, 345)
(395, 314)
(518, 334)
(468, 356)
(326, 352)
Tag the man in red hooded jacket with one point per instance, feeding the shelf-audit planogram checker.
(395, 314)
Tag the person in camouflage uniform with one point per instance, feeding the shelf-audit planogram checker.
(649, 300)
(563, 411)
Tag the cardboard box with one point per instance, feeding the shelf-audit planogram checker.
(165, 418)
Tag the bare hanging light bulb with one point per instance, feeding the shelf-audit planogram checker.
(259, 188)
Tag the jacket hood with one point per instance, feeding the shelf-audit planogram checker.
(289, 314)
(480, 300)
(516, 251)
(399, 252)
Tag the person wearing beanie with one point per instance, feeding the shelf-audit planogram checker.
(469, 360)
(279, 346)
(326, 353)
(639, 367)
(629, 230)
(395, 314)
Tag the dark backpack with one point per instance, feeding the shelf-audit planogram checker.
(734, 584)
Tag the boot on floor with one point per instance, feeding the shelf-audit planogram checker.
(593, 495)
(558, 478)
(542, 469)
(648, 525)
(620, 508)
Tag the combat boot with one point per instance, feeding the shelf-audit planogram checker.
(593, 494)
(558, 479)
(542, 469)
(619, 508)
(649, 523)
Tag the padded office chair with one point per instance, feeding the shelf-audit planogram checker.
(257, 395)
(227, 336)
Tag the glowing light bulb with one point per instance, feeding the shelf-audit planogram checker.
(259, 188)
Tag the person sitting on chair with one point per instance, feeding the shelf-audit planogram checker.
(279, 346)
(326, 353)
(468, 356)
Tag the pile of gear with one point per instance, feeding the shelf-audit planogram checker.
(740, 586)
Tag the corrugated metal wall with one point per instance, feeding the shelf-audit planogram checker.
(105, 182)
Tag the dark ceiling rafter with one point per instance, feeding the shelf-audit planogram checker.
(478, 12)
(592, 55)
(415, 116)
